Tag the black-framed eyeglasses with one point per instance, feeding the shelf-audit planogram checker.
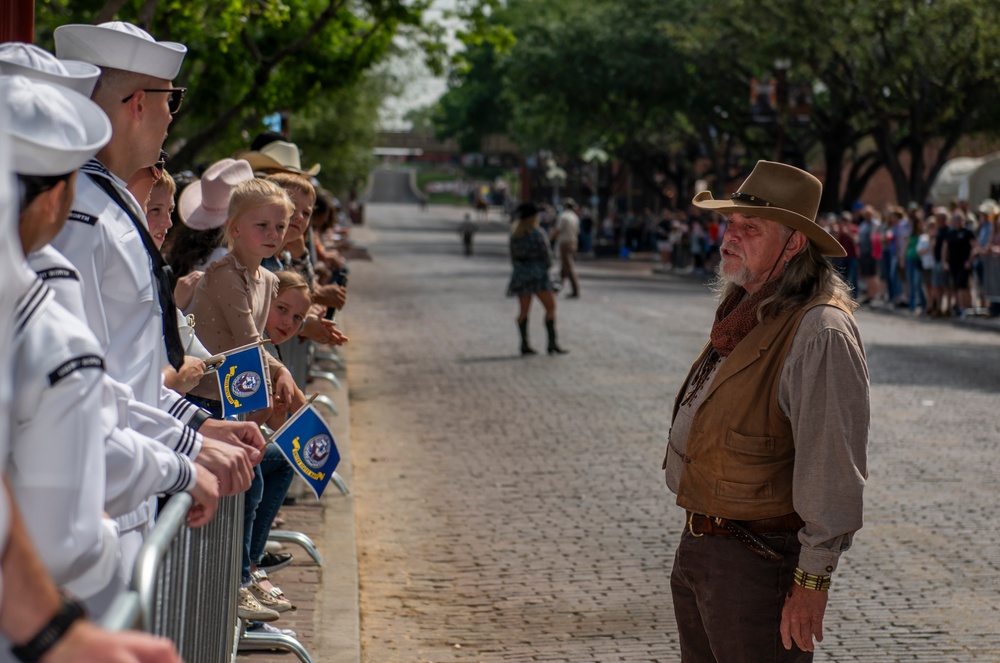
(157, 168)
(176, 97)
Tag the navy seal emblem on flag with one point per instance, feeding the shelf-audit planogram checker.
(307, 443)
(317, 450)
(241, 381)
(246, 384)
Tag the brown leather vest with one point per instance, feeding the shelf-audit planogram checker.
(740, 452)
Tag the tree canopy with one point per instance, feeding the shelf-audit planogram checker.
(249, 58)
(664, 85)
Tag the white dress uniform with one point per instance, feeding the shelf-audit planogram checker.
(119, 294)
(16, 280)
(62, 277)
(65, 470)
(121, 307)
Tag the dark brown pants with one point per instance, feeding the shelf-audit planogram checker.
(728, 600)
(567, 268)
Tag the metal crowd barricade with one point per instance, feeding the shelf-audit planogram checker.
(185, 582)
(991, 277)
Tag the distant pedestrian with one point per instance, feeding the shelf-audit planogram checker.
(530, 254)
(566, 233)
(468, 229)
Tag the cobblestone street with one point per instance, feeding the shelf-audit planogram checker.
(513, 509)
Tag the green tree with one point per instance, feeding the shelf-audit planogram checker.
(248, 58)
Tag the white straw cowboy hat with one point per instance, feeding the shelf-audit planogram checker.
(21, 59)
(53, 130)
(989, 207)
(204, 204)
(122, 46)
(781, 193)
(279, 155)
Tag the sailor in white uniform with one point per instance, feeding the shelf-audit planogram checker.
(126, 302)
(65, 412)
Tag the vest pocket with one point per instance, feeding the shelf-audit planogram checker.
(744, 492)
(752, 445)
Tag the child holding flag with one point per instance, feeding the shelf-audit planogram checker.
(231, 304)
(232, 300)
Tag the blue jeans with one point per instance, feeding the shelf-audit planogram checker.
(889, 276)
(271, 479)
(914, 277)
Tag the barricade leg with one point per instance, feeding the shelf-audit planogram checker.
(300, 539)
(250, 641)
(327, 402)
(330, 356)
(325, 375)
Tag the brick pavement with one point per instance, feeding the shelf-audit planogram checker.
(513, 509)
(326, 616)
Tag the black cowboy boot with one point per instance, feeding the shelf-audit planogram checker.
(525, 348)
(554, 349)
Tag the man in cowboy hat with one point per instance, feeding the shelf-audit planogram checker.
(767, 450)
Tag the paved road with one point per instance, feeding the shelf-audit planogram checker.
(513, 509)
(391, 186)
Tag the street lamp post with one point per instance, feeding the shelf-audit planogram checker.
(781, 67)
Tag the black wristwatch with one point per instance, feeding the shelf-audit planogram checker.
(44, 640)
(200, 417)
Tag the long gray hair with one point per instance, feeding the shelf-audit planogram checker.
(807, 276)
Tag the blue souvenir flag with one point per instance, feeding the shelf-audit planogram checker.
(241, 381)
(307, 444)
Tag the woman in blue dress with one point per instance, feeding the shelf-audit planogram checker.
(529, 251)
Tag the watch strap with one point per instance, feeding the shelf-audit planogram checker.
(51, 633)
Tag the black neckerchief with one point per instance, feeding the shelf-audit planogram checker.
(161, 274)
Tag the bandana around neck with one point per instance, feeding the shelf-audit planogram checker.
(737, 316)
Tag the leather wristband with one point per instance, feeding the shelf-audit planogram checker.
(51, 633)
(810, 580)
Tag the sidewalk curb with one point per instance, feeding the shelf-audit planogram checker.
(338, 624)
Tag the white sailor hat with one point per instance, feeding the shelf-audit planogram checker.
(122, 46)
(53, 130)
(19, 58)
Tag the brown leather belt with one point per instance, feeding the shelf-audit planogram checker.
(702, 524)
(745, 531)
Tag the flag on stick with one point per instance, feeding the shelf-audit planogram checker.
(307, 444)
(241, 380)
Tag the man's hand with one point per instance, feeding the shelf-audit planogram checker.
(241, 434)
(802, 617)
(206, 499)
(332, 295)
(322, 331)
(187, 377)
(84, 642)
(184, 290)
(230, 465)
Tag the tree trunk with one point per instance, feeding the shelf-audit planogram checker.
(833, 157)
(890, 156)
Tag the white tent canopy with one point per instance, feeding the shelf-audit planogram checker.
(967, 178)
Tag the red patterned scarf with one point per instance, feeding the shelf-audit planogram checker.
(737, 316)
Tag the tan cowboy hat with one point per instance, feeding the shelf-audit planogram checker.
(781, 193)
(279, 155)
